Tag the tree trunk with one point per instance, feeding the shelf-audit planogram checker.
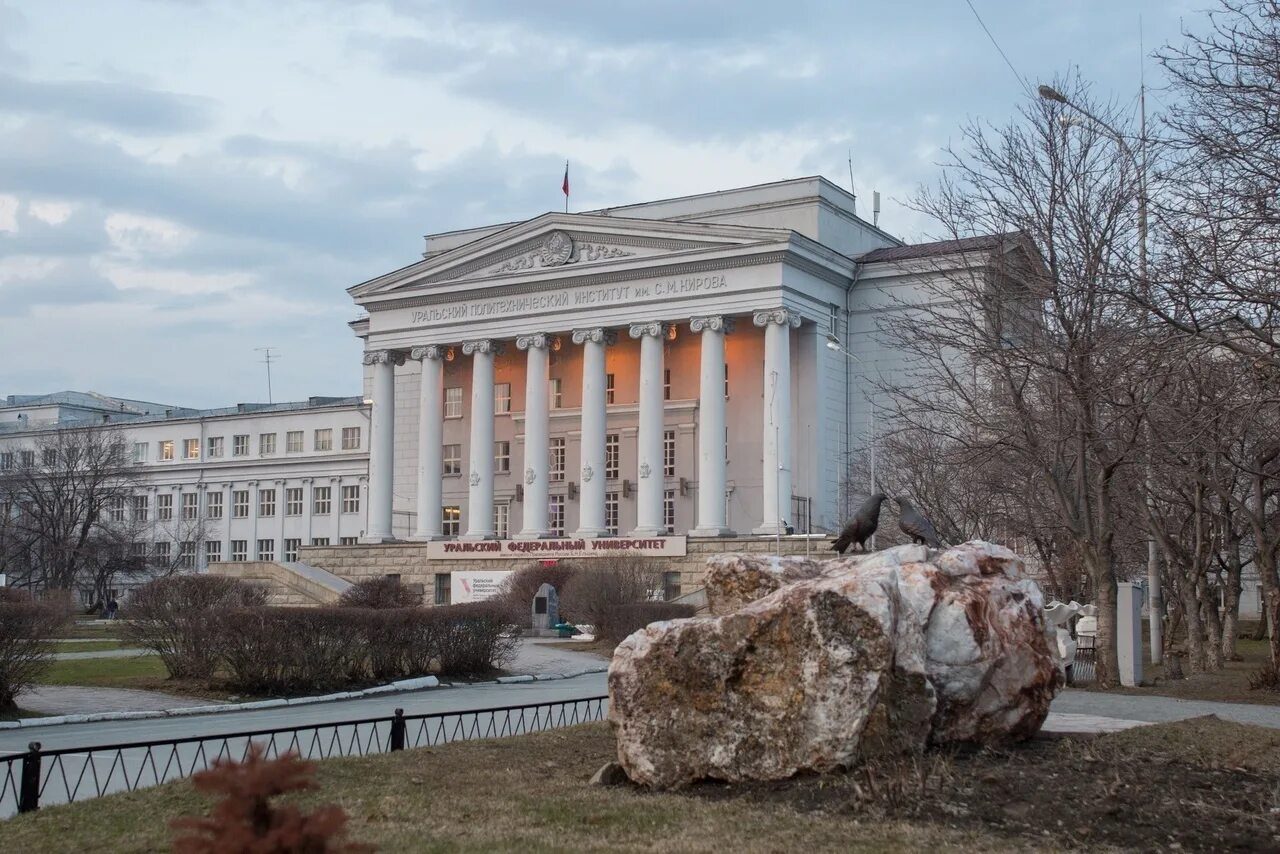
(1195, 630)
(1108, 660)
(1231, 614)
(1212, 625)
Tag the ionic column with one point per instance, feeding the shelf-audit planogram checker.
(430, 441)
(537, 435)
(591, 493)
(776, 471)
(480, 495)
(381, 443)
(649, 521)
(712, 520)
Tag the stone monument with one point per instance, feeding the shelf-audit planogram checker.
(546, 611)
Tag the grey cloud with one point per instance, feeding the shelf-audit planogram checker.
(70, 283)
(81, 234)
(117, 105)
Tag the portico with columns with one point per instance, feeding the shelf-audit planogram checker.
(600, 374)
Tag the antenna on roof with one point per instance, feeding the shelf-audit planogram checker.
(875, 208)
(267, 358)
(852, 191)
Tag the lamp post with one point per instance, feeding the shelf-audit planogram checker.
(833, 343)
(1154, 594)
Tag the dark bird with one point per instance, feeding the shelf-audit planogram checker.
(863, 524)
(915, 525)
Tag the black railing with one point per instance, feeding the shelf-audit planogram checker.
(44, 777)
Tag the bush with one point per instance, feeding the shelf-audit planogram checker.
(522, 585)
(1266, 678)
(381, 593)
(632, 618)
(26, 647)
(175, 617)
(598, 596)
(476, 637)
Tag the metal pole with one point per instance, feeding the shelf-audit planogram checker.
(398, 730)
(29, 793)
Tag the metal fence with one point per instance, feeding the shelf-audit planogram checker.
(44, 777)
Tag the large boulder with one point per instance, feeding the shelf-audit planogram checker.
(826, 662)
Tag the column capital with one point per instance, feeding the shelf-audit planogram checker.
(432, 351)
(597, 335)
(653, 329)
(538, 341)
(714, 322)
(383, 357)
(780, 316)
(486, 346)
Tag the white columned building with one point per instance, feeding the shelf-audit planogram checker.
(658, 368)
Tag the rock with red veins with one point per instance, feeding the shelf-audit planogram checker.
(734, 580)
(885, 652)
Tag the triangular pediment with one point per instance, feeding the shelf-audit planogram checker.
(564, 243)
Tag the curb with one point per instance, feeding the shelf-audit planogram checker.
(403, 685)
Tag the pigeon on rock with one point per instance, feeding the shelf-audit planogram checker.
(863, 524)
(916, 526)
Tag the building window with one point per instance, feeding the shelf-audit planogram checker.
(239, 551)
(669, 511)
(324, 439)
(190, 506)
(452, 459)
(501, 398)
(116, 511)
(666, 383)
(6, 459)
(350, 438)
(138, 551)
(451, 520)
(351, 499)
(319, 541)
(293, 501)
(141, 509)
(50, 457)
(266, 502)
(608, 389)
(668, 453)
(212, 551)
(266, 444)
(555, 514)
(293, 442)
(291, 550)
(502, 457)
(321, 499)
(240, 504)
(671, 585)
(266, 549)
(453, 402)
(191, 449)
(215, 446)
(164, 507)
(348, 541)
(161, 552)
(443, 588)
(612, 453)
(555, 396)
(611, 512)
(502, 519)
(240, 445)
(555, 462)
(166, 450)
(187, 555)
(213, 505)
(139, 452)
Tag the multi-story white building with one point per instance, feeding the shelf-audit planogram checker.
(252, 482)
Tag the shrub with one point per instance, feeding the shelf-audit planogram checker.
(26, 648)
(522, 585)
(633, 617)
(1266, 678)
(246, 820)
(475, 637)
(175, 617)
(598, 595)
(382, 593)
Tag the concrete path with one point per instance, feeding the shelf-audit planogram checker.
(544, 656)
(102, 653)
(80, 700)
(1155, 709)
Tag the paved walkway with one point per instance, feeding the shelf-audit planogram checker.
(82, 700)
(1156, 709)
(543, 656)
(102, 653)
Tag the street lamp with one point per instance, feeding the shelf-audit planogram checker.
(1048, 93)
(833, 343)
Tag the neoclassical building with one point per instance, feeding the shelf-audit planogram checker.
(655, 368)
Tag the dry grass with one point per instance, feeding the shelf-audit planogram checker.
(1204, 783)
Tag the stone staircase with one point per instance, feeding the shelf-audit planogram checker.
(293, 584)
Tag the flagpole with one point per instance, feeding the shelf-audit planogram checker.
(566, 186)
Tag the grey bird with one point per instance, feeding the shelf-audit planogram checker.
(915, 525)
(863, 524)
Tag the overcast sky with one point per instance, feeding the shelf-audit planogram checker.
(184, 181)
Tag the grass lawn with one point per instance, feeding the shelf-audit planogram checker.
(1229, 685)
(1206, 784)
(94, 629)
(106, 672)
